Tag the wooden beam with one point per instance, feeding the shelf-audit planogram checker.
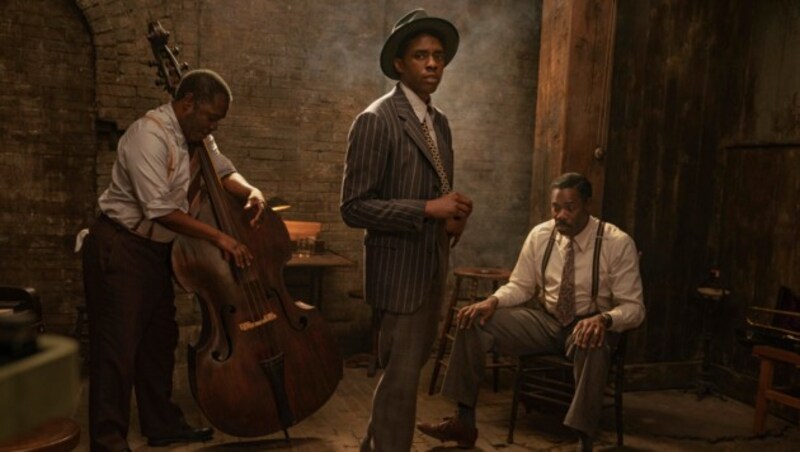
(573, 97)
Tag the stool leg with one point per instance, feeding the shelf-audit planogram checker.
(764, 384)
(495, 359)
(448, 323)
(495, 373)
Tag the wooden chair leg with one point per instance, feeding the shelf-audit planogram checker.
(495, 372)
(512, 423)
(764, 384)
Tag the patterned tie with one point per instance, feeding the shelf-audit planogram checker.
(565, 307)
(437, 159)
(194, 194)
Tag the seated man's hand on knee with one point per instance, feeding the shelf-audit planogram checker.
(590, 332)
(481, 312)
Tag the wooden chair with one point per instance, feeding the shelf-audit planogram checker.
(371, 359)
(778, 346)
(769, 356)
(548, 378)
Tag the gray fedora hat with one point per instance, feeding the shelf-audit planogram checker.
(412, 23)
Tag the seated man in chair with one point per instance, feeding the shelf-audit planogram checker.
(585, 272)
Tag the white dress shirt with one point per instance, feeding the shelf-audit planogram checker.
(619, 288)
(424, 111)
(151, 176)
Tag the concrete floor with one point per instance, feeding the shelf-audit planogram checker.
(654, 421)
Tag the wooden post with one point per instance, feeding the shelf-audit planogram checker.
(764, 384)
(573, 98)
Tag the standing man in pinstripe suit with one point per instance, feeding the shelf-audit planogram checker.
(397, 185)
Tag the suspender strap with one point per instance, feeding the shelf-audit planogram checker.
(171, 154)
(146, 228)
(548, 251)
(598, 245)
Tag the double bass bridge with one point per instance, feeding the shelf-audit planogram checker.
(251, 325)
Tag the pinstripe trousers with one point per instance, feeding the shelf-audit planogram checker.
(404, 346)
(522, 331)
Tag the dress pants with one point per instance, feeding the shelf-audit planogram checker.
(405, 345)
(132, 334)
(522, 331)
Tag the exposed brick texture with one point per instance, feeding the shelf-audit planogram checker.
(47, 151)
(300, 72)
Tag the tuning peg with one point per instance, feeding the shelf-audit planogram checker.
(176, 50)
(184, 66)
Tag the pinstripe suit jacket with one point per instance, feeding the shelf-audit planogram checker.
(388, 176)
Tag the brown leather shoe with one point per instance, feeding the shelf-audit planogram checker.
(451, 430)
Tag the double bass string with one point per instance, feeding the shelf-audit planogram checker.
(251, 284)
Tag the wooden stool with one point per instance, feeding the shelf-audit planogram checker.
(769, 356)
(371, 359)
(55, 435)
(474, 275)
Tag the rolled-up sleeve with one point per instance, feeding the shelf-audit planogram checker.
(625, 284)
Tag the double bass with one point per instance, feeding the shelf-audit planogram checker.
(263, 362)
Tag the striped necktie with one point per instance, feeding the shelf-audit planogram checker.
(437, 158)
(565, 307)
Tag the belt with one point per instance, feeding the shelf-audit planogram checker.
(119, 227)
(108, 220)
(159, 247)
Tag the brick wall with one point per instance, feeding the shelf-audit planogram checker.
(300, 72)
(47, 151)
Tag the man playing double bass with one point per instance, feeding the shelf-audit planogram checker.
(126, 263)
